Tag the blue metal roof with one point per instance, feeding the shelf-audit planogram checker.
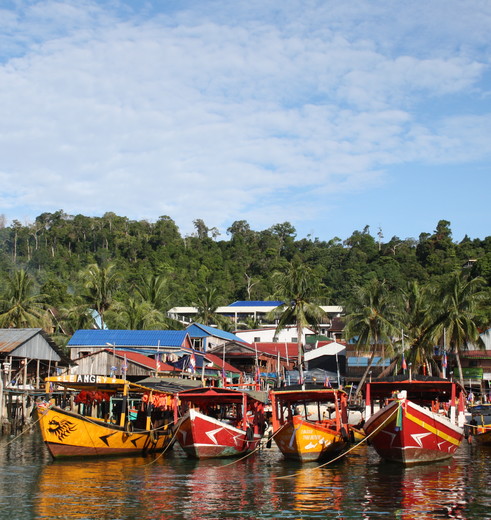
(361, 361)
(256, 304)
(196, 330)
(128, 338)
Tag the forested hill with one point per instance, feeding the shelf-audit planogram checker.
(57, 248)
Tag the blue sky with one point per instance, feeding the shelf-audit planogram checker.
(330, 115)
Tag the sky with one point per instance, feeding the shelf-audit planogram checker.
(330, 115)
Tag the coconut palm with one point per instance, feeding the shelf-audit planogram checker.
(100, 283)
(459, 309)
(133, 314)
(372, 321)
(152, 289)
(417, 319)
(206, 305)
(297, 286)
(20, 307)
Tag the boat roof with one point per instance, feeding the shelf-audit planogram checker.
(98, 383)
(310, 393)
(428, 387)
(220, 395)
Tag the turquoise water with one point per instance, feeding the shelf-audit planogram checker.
(264, 485)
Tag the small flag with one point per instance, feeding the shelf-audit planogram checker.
(192, 363)
(327, 382)
(404, 364)
(444, 361)
(157, 362)
(124, 366)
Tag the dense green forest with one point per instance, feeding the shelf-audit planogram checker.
(134, 271)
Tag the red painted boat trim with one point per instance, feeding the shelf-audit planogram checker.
(418, 436)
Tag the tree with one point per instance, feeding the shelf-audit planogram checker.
(372, 321)
(100, 283)
(418, 317)
(296, 287)
(136, 315)
(153, 290)
(459, 311)
(20, 307)
(206, 304)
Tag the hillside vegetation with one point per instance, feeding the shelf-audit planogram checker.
(134, 271)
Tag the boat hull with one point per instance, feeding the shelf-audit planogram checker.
(407, 433)
(67, 434)
(482, 434)
(204, 437)
(309, 441)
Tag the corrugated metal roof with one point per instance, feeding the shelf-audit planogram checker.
(197, 330)
(256, 304)
(128, 338)
(329, 349)
(10, 339)
(360, 361)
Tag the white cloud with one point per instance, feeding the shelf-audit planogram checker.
(218, 116)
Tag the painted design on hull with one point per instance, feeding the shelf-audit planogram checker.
(407, 432)
(60, 427)
(311, 423)
(88, 429)
(219, 422)
(203, 437)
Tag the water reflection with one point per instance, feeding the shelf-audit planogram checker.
(264, 486)
(420, 492)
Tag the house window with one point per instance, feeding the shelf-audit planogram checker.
(257, 340)
(294, 340)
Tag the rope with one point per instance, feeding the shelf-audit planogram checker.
(165, 449)
(258, 447)
(344, 452)
(30, 426)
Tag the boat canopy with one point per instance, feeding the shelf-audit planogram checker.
(417, 387)
(220, 395)
(309, 394)
(96, 383)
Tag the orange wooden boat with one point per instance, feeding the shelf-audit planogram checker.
(479, 427)
(310, 424)
(87, 415)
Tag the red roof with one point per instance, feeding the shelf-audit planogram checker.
(286, 350)
(219, 362)
(145, 361)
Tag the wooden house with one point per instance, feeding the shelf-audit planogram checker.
(28, 356)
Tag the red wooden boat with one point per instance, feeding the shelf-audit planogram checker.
(219, 422)
(417, 418)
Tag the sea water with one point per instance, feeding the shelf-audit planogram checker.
(264, 485)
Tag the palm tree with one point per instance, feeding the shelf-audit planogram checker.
(100, 282)
(77, 316)
(152, 289)
(459, 310)
(207, 304)
(373, 320)
(19, 307)
(296, 287)
(136, 315)
(418, 317)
